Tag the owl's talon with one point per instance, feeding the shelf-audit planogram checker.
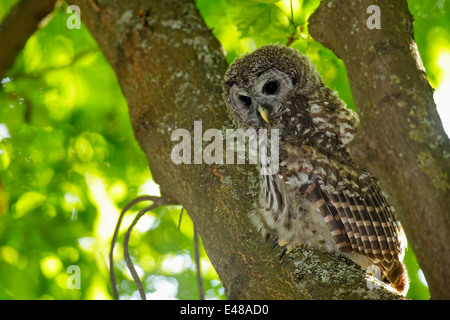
(281, 243)
(274, 244)
(283, 252)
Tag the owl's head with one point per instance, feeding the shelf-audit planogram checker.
(258, 86)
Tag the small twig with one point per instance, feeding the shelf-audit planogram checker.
(292, 12)
(126, 254)
(197, 258)
(42, 72)
(292, 37)
(112, 275)
(197, 262)
(181, 216)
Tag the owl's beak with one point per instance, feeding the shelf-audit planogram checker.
(264, 113)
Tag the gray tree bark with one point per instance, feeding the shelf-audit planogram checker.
(400, 138)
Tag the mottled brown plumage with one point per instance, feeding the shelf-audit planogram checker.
(319, 197)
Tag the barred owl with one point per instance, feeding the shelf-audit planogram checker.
(319, 197)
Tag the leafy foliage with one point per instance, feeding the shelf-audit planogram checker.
(69, 161)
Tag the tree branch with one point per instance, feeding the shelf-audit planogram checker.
(400, 138)
(170, 70)
(18, 26)
(157, 202)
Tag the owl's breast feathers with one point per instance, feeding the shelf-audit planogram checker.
(315, 163)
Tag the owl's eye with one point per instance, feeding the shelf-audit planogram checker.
(247, 101)
(271, 87)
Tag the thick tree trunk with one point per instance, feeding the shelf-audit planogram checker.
(400, 139)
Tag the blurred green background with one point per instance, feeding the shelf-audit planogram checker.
(69, 161)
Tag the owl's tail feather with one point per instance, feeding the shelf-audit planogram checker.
(398, 277)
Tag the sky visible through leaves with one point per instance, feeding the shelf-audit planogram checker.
(69, 161)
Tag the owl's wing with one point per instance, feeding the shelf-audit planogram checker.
(364, 224)
(361, 223)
